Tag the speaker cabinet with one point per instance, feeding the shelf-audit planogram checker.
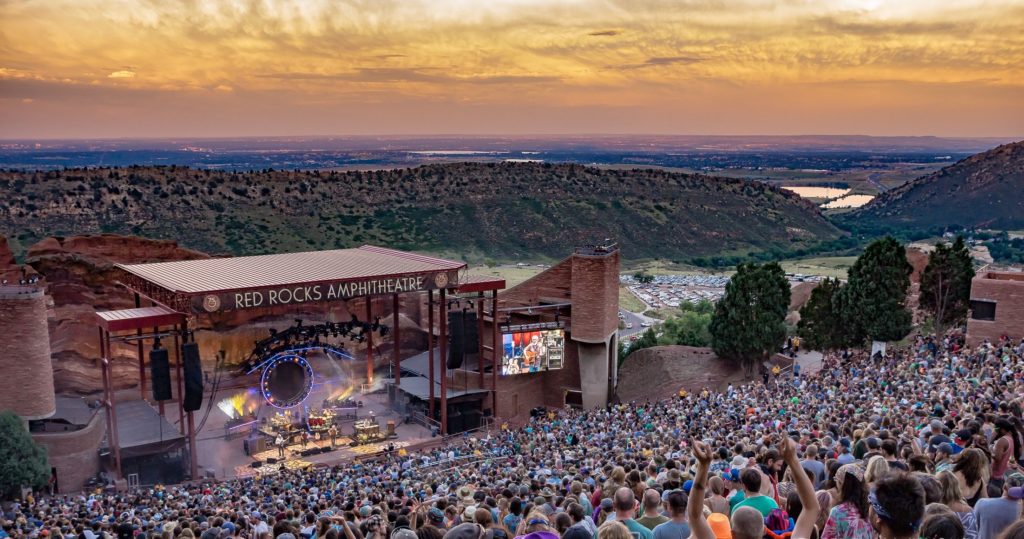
(193, 377)
(160, 374)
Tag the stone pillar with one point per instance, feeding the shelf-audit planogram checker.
(593, 374)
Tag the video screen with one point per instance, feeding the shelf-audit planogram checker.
(532, 351)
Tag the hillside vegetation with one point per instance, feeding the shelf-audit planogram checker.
(501, 210)
(982, 191)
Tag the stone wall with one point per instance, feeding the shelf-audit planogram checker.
(74, 453)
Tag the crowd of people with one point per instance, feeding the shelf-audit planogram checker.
(923, 442)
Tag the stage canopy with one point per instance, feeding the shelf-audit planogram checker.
(224, 284)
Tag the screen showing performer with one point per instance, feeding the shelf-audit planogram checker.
(532, 351)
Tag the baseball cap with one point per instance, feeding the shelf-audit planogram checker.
(403, 533)
(687, 486)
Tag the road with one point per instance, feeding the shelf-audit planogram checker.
(873, 180)
(635, 319)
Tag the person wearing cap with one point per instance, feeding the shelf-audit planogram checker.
(996, 514)
(962, 440)
(435, 517)
(941, 457)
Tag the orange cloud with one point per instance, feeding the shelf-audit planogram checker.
(668, 56)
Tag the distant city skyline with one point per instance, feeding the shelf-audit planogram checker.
(147, 68)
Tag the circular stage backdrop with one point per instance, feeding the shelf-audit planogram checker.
(286, 380)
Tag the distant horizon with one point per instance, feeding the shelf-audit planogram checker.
(1007, 138)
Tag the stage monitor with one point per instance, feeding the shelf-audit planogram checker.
(532, 351)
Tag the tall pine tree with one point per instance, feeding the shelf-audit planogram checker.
(821, 321)
(749, 321)
(877, 292)
(946, 284)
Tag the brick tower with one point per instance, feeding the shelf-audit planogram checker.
(26, 387)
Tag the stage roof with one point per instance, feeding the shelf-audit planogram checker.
(218, 275)
(142, 317)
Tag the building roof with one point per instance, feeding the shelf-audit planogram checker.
(214, 275)
(480, 283)
(143, 317)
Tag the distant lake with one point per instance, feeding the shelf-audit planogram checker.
(818, 192)
(849, 201)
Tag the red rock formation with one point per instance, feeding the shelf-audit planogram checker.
(6, 256)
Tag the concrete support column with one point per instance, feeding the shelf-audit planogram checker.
(593, 374)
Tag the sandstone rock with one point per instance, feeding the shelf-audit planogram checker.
(6, 256)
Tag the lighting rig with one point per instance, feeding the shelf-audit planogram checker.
(301, 338)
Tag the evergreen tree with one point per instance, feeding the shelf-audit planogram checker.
(23, 463)
(946, 284)
(878, 283)
(749, 320)
(821, 320)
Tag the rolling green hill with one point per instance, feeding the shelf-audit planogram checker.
(505, 211)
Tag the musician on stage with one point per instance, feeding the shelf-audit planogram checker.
(333, 431)
(279, 442)
(305, 438)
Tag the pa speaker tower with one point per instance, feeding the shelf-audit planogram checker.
(160, 372)
(463, 337)
(456, 339)
(193, 377)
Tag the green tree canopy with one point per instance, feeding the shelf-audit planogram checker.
(878, 283)
(749, 320)
(23, 463)
(821, 324)
(946, 284)
(688, 329)
(643, 277)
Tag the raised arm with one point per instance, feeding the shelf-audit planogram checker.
(805, 523)
(699, 527)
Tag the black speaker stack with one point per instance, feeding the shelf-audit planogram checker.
(193, 376)
(463, 337)
(256, 464)
(160, 373)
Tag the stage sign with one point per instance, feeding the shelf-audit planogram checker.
(323, 292)
(532, 351)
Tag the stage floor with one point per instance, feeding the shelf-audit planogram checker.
(225, 457)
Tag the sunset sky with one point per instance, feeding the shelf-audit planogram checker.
(156, 68)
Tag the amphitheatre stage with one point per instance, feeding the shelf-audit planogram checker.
(340, 369)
